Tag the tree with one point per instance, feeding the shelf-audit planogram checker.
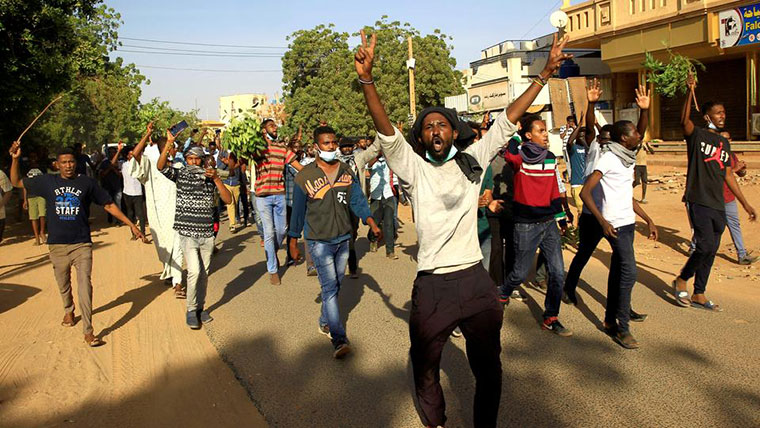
(45, 45)
(320, 84)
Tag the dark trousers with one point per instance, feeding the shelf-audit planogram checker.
(466, 298)
(622, 277)
(353, 260)
(245, 206)
(590, 233)
(528, 238)
(502, 248)
(384, 212)
(134, 207)
(708, 224)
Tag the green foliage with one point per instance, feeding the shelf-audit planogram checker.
(46, 45)
(670, 79)
(163, 117)
(319, 79)
(243, 135)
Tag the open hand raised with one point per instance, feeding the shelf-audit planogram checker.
(642, 97)
(365, 56)
(594, 91)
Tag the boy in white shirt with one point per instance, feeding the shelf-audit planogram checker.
(614, 170)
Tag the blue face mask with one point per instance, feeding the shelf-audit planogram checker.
(328, 156)
(712, 126)
(451, 155)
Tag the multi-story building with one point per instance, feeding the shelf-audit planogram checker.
(235, 105)
(722, 34)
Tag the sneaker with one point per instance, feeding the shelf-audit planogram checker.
(204, 316)
(372, 247)
(456, 333)
(311, 271)
(637, 317)
(274, 279)
(325, 329)
(392, 256)
(516, 295)
(192, 320)
(626, 340)
(643, 201)
(569, 297)
(748, 260)
(552, 324)
(290, 262)
(341, 350)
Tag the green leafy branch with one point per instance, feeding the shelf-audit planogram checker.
(243, 135)
(670, 79)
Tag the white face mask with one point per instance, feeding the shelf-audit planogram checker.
(712, 126)
(328, 156)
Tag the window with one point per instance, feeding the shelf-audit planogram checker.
(652, 4)
(631, 7)
(587, 23)
(663, 3)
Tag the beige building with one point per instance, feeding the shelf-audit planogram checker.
(722, 34)
(231, 106)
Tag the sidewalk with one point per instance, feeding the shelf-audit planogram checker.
(152, 372)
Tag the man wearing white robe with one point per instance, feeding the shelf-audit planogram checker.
(161, 198)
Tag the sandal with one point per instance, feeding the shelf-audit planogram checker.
(682, 297)
(95, 342)
(68, 322)
(179, 293)
(708, 306)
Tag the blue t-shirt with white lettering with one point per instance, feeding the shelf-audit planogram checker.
(577, 153)
(68, 205)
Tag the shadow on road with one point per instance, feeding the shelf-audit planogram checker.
(12, 295)
(137, 298)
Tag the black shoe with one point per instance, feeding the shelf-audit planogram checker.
(610, 329)
(626, 340)
(637, 317)
(203, 316)
(341, 350)
(569, 297)
(553, 325)
(192, 320)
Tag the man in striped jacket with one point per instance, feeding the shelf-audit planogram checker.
(537, 203)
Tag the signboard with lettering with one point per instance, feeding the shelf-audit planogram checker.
(488, 97)
(740, 26)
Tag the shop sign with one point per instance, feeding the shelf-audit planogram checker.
(740, 26)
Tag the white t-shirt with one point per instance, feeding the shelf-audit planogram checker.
(617, 183)
(132, 186)
(5, 187)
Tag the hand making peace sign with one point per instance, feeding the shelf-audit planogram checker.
(365, 56)
(556, 56)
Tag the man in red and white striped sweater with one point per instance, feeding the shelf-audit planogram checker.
(537, 203)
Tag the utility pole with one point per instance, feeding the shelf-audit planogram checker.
(410, 65)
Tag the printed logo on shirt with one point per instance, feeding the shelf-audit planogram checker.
(67, 202)
(714, 153)
(319, 187)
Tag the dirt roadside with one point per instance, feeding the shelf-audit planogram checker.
(153, 370)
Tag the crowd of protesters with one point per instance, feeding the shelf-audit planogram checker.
(486, 198)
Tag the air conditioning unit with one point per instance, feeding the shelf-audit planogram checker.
(755, 124)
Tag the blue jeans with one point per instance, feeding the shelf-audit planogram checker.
(273, 218)
(528, 238)
(330, 261)
(485, 249)
(621, 279)
(732, 218)
(257, 216)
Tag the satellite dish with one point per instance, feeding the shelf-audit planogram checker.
(558, 19)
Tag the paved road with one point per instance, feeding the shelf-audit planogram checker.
(695, 368)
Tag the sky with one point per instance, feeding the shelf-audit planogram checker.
(266, 25)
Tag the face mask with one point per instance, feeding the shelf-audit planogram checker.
(271, 137)
(451, 155)
(328, 156)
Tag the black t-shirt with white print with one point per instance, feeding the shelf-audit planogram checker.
(67, 202)
(709, 155)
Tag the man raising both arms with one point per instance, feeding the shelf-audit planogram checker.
(708, 168)
(67, 198)
(442, 176)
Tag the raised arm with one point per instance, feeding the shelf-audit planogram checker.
(643, 101)
(162, 160)
(686, 123)
(593, 94)
(15, 152)
(119, 148)
(363, 60)
(137, 151)
(576, 131)
(556, 58)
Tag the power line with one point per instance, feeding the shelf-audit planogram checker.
(208, 70)
(160, 48)
(201, 44)
(542, 19)
(201, 54)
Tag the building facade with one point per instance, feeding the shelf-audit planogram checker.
(722, 34)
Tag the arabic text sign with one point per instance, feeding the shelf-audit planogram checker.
(488, 97)
(740, 26)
